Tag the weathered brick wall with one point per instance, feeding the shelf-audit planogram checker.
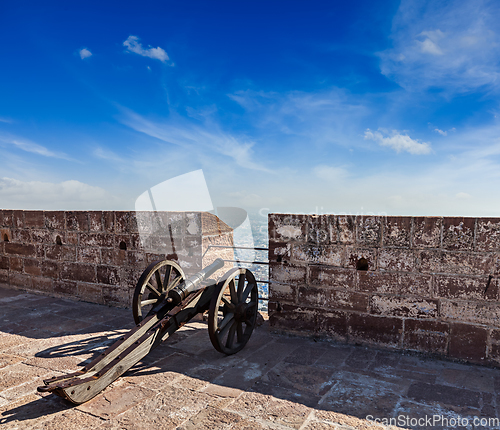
(416, 283)
(99, 256)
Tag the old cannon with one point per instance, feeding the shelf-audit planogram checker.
(164, 300)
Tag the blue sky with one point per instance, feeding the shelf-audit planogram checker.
(328, 107)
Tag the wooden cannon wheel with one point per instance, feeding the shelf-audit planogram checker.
(233, 311)
(159, 278)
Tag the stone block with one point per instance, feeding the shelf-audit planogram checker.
(97, 239)
(132, 242)
(90, 255)
(476, 312)
(427, 232)
(330, 255)
(65, 287)
(466, 288)
(346, 229)
(18, 219)
(60, 252)
(16, 264)
(77, 220)
(457, 263)
(286, 228)
(20, 280)
(397, 260)
(354, 254)
(458, 233)
(332, 324)
(4, 263)
(54, 220)
(108, 219)
(4, 276)
(89, 292)
(397, 231)
(468, 342)
(78, 272)
(21, 235)
(330, 277)
(32, 267)
(279, 291)
(333, 299)
(293, 318)
(321, 229)
(369, 230)
(114, 257)
(95, 221)
(42, 236)
(487, 234)
(50, 269)
(123, 221)
(41, 283)
(409, 307)
(113, 295)
(375, 329)
(108, 275)
(287, 274)
(34, 219)
(279, 252)
(25, 250)
(395, 283)
(193, 224)
(426, 335)
(6, 218)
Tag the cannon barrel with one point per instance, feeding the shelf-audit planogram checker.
(193, 283)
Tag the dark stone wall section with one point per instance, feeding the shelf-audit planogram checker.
(98, 256)
(427, 284)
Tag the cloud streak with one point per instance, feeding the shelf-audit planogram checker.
(399, 142)
(28, 146)
(68, 195)
(133, 45)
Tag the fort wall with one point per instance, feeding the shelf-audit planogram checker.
(427, 284)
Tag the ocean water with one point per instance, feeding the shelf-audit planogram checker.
(254, 235)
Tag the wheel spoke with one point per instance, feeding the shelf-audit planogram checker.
(148, 302)
(166, 279)
(158, 281)
(153, 290)
(251, 305)
(232, 289)
(175, 282)
(226, 328)
(230, 336)
(240, 331)
(241, 285)
(227, 319)
(247, 291)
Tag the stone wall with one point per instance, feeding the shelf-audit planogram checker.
(426, 284)
(99, 256)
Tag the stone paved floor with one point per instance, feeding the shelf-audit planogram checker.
(276, 382)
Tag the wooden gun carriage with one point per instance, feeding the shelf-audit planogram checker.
(164, 300)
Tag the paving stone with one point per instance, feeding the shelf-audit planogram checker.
(335, 356)
(165, 410)
(268, 408)
(222, 391)
(424, 392)
(300, 378)
(9, 359)
(359, 398)
(114, 401)
(71, 420)
(29, 411)
(210, 418)
(344, 421)
(306, 355)
(301, 396)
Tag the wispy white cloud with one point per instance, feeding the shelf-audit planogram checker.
(84, 53)
(441, 132)
(399, 142)
(28, 146)
(450, 45)
(206, 139)
(47, 195)
(133, 45)
(6, 120)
